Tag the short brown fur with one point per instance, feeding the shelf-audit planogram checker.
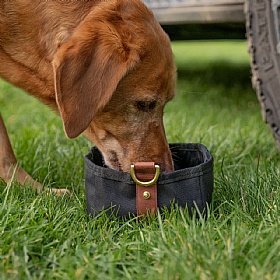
(105, 66)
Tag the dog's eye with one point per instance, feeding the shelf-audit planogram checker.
(145, 105)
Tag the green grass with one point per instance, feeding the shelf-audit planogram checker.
(47, 237)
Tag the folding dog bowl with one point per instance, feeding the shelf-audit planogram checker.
(191, 184)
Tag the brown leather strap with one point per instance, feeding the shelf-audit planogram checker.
(146, 196)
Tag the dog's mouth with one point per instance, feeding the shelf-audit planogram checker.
(113, 161)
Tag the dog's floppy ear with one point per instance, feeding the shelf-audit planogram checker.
(87, 70)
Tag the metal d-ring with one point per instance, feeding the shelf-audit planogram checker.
(145, 184)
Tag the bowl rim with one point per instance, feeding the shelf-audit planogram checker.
(181, 174)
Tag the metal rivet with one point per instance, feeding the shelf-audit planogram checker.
(146, 195)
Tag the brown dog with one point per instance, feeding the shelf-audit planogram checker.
(105, 66)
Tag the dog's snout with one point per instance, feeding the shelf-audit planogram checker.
(164, 160)
(166, 165)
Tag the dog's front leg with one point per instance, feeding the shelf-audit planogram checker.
(9, 167)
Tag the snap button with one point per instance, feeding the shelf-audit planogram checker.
(146, 195)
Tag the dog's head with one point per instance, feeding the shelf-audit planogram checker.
(113, 78)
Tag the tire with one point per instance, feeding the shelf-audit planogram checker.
(265, 61)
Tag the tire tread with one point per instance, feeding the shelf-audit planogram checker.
(262, 49)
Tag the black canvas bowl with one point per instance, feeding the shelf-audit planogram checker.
(190, 184)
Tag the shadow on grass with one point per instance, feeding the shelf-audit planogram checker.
(217, 73)
(220, 84)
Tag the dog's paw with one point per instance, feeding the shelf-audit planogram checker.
(59, 192)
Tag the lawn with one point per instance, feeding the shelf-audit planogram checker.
(48, 237)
